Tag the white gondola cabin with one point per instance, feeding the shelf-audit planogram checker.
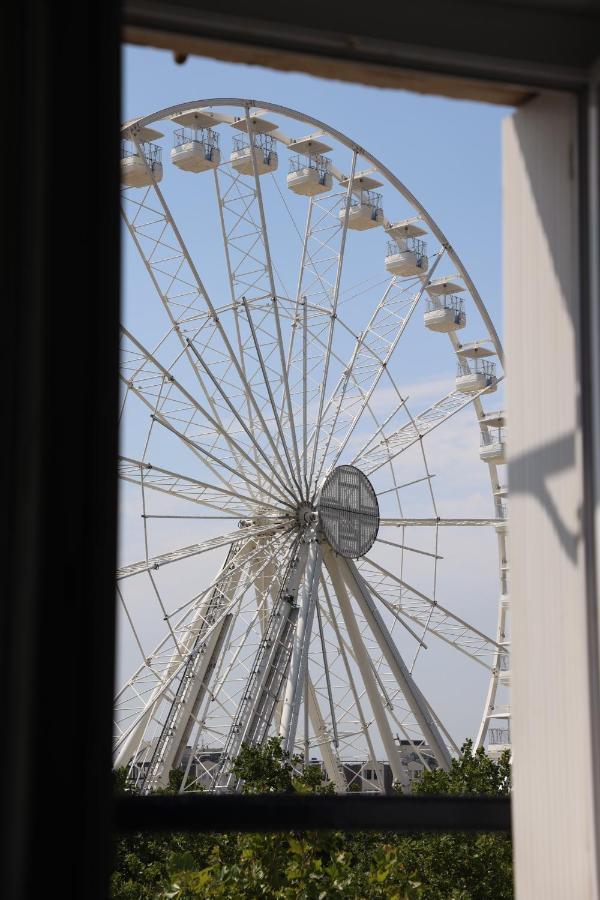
(406, 256)
(493, 446)
(195, 149)
(309, 175)
(445, 314)
(144, 167)
(475, 376)
(265, 157)
(365, 211)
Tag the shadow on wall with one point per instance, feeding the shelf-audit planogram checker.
(530, 473)
(549, 267)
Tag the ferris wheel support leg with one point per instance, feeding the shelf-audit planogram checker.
(415, 699)
(256, 711)
(330, 760)
(364, 664)
(355, 695)
(203, 682)
(129, 747)
(295, 681)
(180, 730)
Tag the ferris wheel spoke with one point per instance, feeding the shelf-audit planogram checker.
(181, 408)
(316, 290)
(381, 540)
(203, 452)
(257, 447)
(324, 742)
(244, 242)
(154, 386)
(181, 294)
(429, 614)
(234, 299)
(437, 521)
(228, 359)
(165, 559)
(275, 306)
(176, 327)
(326, 669)
(372, 456)
(371, 357)
(349, 650)
(294, 472)
(333, 315)
(184, 487)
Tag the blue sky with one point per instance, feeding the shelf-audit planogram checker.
(448, 154)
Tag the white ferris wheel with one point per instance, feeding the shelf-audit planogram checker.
(289, 574)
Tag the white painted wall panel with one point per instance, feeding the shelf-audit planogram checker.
(553, 814)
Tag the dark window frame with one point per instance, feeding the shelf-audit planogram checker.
(60, 494)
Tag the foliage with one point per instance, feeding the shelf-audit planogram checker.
(264, 769)
(471, 773)
(322, 865)
(462, 866)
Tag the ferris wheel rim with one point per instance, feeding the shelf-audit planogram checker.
(177, 109)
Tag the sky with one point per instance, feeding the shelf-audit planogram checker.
(447, 153)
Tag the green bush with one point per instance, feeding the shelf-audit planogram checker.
(323, 865)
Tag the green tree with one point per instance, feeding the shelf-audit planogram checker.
(456, 865)
(323, 865)
(264, 769)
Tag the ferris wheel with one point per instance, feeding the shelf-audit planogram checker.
(285, 292)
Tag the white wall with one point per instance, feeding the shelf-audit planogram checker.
(553, 803)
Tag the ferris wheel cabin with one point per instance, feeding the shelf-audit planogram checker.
(196, 150)
(265, 157)
(141, 162)
(309, 175)
(254, 151)
(195, 143)
(493, 438)
(475, 372)
(406, 257)
(366, 209)
(445, 314)
(406, 252)
(445, 311)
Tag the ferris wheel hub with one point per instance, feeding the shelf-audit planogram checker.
(349, 512)
(306, 514)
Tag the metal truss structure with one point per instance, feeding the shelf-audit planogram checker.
(262, 359)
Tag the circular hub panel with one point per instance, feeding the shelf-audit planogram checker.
(349, 512)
